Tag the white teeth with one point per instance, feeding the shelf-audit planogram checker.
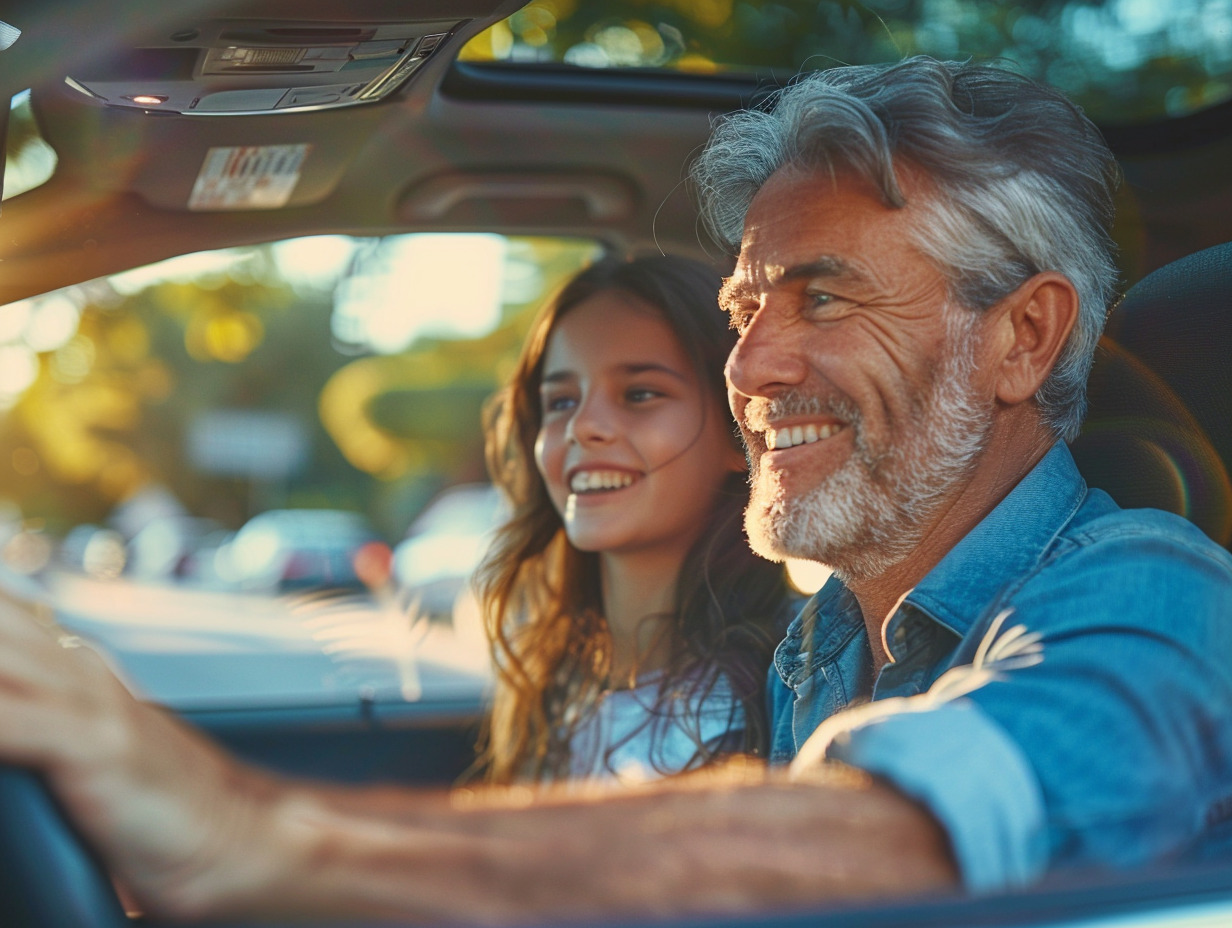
(585, 481)
(799, 435)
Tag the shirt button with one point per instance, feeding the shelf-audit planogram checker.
(900, 635)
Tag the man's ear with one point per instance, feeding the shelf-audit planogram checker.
(1032, 326)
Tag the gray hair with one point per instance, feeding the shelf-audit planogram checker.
(1023, 182)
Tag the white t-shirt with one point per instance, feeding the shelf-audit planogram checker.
(627, 739)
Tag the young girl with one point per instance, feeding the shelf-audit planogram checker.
(631, 625)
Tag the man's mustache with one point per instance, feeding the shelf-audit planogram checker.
(760, 412)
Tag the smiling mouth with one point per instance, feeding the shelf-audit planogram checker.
(790, 437)
(600, 481)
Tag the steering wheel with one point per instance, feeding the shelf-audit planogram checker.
(49, 878)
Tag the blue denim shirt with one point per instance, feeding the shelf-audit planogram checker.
(1113, 750)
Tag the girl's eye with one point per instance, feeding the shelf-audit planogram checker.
(641, 395)
(558, 403)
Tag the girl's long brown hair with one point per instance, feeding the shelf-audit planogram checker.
(541, 598)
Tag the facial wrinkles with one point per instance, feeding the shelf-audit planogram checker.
(864, 517)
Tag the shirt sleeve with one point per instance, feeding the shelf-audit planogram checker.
(1112, 750)
(974, 779)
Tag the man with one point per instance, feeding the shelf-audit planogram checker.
(920, 287)
(923, 273)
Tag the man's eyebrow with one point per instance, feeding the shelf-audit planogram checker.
(826, 266)
(735, 288)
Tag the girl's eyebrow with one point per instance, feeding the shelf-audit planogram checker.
(652, 367)
(631, 368)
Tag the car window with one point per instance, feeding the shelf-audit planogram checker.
(257, 474)
(1123, 60)
(29, 160)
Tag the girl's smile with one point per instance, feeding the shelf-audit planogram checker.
(631, 447)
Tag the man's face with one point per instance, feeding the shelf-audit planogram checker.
(853, 380)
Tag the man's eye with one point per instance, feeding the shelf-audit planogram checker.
(819, 303)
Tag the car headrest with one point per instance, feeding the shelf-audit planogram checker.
(1159, 429)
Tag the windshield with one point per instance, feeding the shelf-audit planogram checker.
(1122, 60)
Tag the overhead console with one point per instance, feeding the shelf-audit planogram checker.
(238, 66)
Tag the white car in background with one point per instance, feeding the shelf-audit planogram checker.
(433, 565)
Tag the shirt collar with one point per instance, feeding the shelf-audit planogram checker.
(1008, 543)
(828, 622)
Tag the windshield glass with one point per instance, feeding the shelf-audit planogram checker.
(1122, 60)
(199, 447)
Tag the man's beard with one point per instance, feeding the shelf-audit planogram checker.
(874, 510)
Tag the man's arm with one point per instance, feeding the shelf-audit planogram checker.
(192, 832)
(730, 841)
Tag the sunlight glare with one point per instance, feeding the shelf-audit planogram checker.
(417, 285)
(19, 367)
(807, 576)
(185, 268)
(317, 260)
(13, 319)
(52, 323)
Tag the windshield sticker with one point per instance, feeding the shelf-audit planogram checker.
(248, 177)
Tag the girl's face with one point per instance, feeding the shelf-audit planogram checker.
(632, 446)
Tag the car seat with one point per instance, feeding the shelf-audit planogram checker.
(1159, 428)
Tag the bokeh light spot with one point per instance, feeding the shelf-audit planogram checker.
(19, 367)
(52, 323)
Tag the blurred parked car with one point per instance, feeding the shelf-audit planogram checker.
(433, 564)
(297, 549)
(93, 550)
(162, 549)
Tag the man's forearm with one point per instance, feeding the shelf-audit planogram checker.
(729, 842)
(192, 832)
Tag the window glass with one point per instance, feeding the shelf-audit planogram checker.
(192, 450)
(1123, 60)
(29, 160)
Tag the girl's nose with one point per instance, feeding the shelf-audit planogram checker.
(592, 421)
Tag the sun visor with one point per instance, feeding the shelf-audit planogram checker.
(246, 67)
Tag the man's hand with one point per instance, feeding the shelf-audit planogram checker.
(161, 804)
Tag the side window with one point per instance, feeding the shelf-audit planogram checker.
(29, 160)
(270, 451)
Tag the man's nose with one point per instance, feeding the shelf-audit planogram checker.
(767, 357)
